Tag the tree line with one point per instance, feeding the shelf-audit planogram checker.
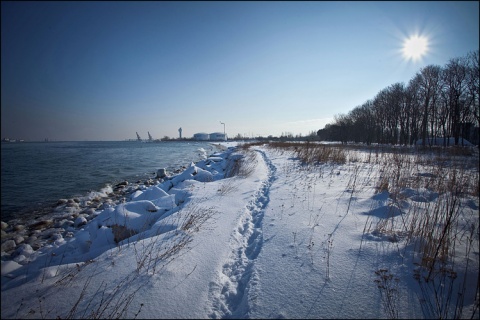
(438, 102)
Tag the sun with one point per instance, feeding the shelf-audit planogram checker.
(415, 47)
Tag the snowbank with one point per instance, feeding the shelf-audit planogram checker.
(441, 141)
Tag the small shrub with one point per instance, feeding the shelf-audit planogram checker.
(226, 188)
(388, 286)
(121, 233)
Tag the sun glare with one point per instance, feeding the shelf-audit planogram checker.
(415, 47)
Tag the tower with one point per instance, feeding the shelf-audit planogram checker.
(180, 133)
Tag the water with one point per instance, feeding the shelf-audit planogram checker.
(37, 174)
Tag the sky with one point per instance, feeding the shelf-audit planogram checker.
(280, 240)
(105, 70)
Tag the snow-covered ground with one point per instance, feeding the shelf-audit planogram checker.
(258, 234)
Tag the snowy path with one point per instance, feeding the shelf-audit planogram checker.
(233, 297)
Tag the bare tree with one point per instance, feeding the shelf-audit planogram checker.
(455, 77)
(428, 80)
(473, 84)
(436, 102)
(412, 102)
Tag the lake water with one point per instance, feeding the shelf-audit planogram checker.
(36, 174)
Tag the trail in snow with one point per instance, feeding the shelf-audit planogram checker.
(234, 295)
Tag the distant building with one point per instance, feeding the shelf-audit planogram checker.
(201, 136)
(218, 136)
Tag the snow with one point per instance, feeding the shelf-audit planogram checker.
(440, 141)
(277, 239)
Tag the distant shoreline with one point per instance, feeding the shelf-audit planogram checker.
(131, 140)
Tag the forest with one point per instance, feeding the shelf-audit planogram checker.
(439, 105)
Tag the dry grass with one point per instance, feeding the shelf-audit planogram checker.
(388, 286)
(313, 153)
(242, 164)
(435, 224)
(226, 188)
(121, 233)
(154, 253)
(433, 220)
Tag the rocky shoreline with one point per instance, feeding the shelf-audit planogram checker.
(24, 235)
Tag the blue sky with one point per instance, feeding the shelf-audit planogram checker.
(104, 70)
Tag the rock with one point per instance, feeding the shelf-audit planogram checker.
(161, 173)
(20, 258)
(24, 249)
(48, 233)
(8, 245)
(121, 184)
(42, 224)
(148, 182)
(19, 227)
(73, 210)
(35, 233)
(18, 240)
(80, 221)
(36, 245)
(72, 203)
(56, 236)
(65, 223)
(107, 204)
(89, 211)
(59, 208)
(61, 201)
(31, 239)
(4, 225)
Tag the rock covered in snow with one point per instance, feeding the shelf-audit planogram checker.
(79, 221)
(24, 249)
(161, 173)
(150, 193)
(9, 266)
